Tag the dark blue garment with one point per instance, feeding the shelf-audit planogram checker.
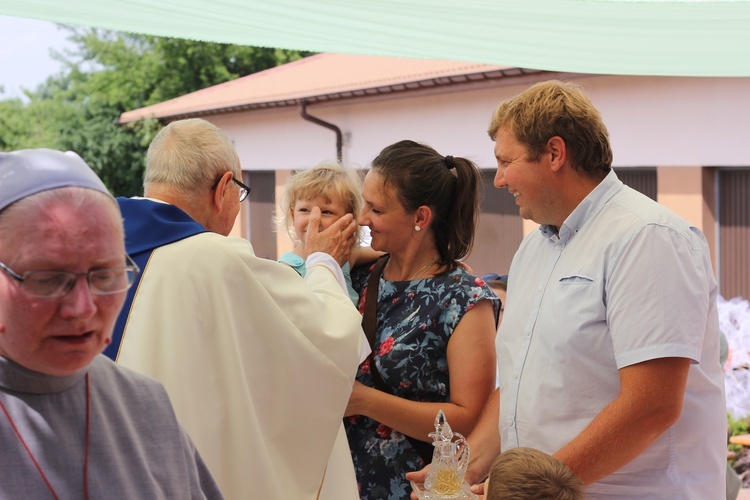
(415, 322)
(148, 226)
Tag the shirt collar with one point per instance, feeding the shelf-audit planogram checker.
(590, 206)
(15, 377)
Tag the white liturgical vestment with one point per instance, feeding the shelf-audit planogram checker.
(259, 363)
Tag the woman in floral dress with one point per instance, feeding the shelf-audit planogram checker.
(434, 342)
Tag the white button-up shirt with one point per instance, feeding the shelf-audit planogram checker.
(623, 281)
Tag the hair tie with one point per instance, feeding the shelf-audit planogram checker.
(449, 162)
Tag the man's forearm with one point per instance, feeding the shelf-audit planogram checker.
(609, 442)
(649, 403)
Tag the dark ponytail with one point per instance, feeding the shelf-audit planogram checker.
(449, 185)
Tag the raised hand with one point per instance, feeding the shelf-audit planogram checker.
(337, 240)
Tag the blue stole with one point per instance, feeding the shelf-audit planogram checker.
(148, 226)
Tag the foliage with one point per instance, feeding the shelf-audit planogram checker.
(737, 428)
(109, 73)
(30, 126)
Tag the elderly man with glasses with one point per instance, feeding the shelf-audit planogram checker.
(258, 362)
(72, 423)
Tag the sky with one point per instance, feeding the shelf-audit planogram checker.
(25, 59)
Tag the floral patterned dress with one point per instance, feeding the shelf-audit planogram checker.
(415, 321)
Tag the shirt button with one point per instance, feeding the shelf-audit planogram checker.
(558, 247)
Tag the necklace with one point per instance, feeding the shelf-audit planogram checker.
(86, 452)
(422, 269)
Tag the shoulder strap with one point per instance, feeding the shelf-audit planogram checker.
(369, 324)
(369, 319)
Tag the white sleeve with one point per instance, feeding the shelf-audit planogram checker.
(325, 260)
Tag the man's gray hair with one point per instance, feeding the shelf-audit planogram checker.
(190, 155)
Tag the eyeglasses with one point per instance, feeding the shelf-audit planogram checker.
(53, 284)
(244, 189)
(495, 277)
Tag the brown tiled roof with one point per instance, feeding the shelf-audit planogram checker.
(322, 77)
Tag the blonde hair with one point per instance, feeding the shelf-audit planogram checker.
(190, 155)
(324, 180)
(555, 108)
(530, 474)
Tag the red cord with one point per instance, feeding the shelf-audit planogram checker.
(86, 449)
(31, 455)
(86, 452)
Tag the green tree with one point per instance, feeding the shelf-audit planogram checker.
(109, 73)
(32, 125)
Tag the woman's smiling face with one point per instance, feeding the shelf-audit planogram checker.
(390, 226)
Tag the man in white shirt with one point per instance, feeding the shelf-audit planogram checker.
(608, 351)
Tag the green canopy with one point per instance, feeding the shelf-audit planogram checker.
(647, 37)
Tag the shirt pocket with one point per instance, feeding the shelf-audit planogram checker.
(577, 279)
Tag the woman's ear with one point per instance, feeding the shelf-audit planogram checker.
(422, 217)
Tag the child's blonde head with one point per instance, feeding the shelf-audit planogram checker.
(327, 180)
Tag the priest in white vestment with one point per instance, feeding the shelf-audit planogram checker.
(258, 362)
